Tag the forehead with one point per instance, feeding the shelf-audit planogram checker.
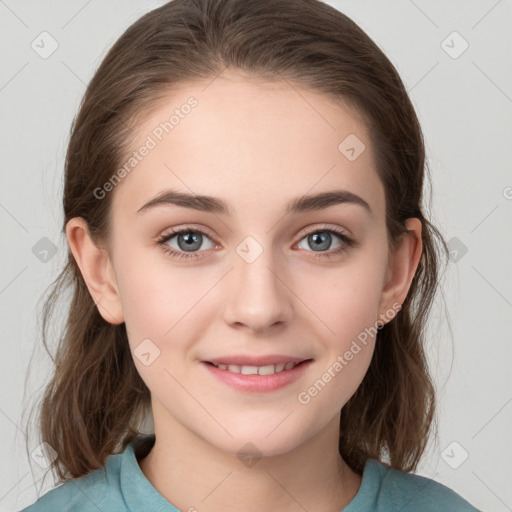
(251, 142)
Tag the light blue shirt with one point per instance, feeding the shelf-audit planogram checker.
(121, 486)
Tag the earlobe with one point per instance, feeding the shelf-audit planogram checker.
(96, 268)
(402, 265)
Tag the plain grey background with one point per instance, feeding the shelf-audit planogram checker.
(455, 59)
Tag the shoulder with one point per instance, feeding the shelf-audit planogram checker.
(399, 490)
(98, 490)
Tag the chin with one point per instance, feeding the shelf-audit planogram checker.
(258, 441)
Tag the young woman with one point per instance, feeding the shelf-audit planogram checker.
(251, 266)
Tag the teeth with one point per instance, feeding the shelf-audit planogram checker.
(267, 370)
(249, 370)
(256, 370)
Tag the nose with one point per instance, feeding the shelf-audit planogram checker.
(258, 292)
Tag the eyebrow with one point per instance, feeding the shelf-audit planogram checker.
(215, 205)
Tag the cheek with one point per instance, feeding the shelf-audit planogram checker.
(345, 303)
(169, 306)
(345, 299)
(163, 319)
(157, 296)
(347, 331)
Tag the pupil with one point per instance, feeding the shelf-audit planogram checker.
(192, 241)
(318, 243)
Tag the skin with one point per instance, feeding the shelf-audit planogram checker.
(257, 146)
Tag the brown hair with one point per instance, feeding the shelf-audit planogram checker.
(95, 401)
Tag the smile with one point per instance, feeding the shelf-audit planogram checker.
(256, 370)
(257, 379)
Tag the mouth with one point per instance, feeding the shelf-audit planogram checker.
(269, 369)
(269, 374)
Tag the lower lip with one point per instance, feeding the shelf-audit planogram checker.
(258, 383)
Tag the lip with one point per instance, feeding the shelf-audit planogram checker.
(242, 360)
(259, 383)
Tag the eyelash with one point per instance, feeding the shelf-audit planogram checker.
(162, 241)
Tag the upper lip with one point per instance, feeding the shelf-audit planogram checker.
(242, 360)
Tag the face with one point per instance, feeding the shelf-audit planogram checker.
(258, 279)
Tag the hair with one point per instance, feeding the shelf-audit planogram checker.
(95, 401)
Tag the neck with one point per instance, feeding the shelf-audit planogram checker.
(192, 474)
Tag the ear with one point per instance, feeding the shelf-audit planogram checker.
(402, 264)
(97, 270)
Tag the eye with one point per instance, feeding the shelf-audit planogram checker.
(321, 239)
(188, 241)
